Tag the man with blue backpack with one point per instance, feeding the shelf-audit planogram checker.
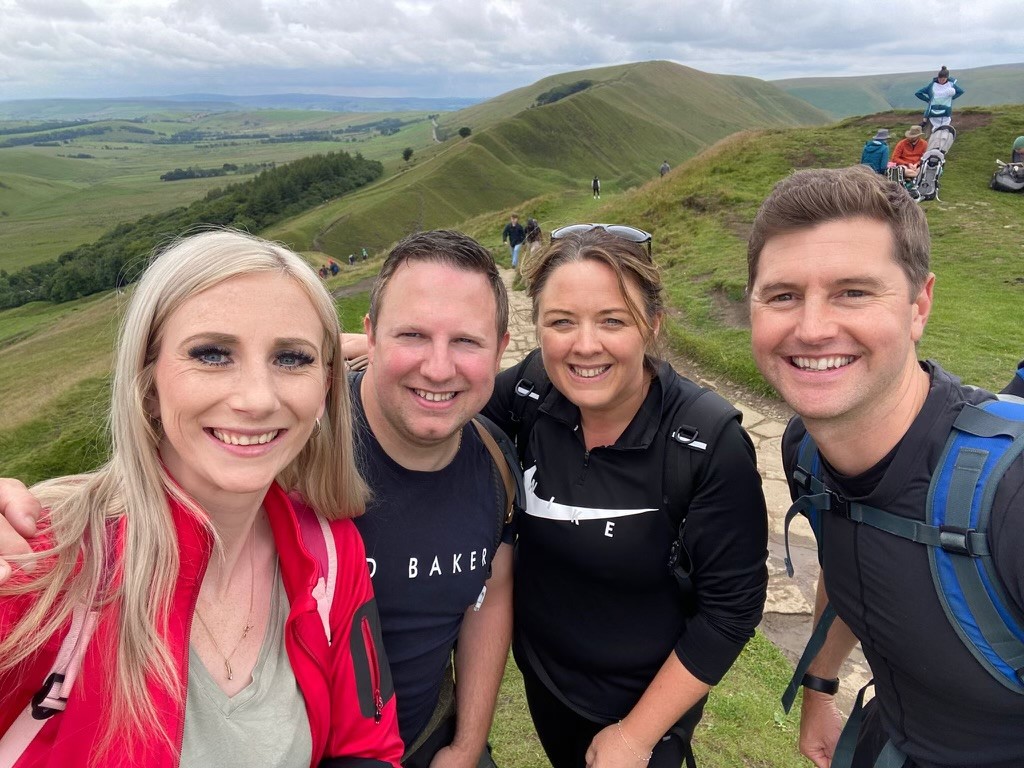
(913, 484)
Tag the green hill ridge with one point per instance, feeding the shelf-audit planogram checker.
(868, 94)
(621, 128)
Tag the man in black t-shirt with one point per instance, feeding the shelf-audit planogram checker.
(840, 292)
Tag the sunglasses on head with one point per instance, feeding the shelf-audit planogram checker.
(632, 234)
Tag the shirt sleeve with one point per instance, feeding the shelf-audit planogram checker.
(726, 537)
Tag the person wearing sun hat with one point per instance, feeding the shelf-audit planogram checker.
(939, 95)
(908, 151)
(876, 152)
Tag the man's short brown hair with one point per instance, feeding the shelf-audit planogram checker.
(812, 197)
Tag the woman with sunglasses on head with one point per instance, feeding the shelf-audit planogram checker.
(214, 616)
(618, 651)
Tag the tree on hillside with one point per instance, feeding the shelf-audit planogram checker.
(464, 131)
(406, 154)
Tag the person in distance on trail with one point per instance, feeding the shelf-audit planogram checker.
(595, 187)
(617, 657)
(515, 236)
(939, 95)
(665, 168)
(840, 292)
(187, 553)
(435, 541)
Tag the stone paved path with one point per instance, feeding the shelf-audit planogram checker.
(787, 616)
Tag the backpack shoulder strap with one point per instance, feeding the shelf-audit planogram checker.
(690, 433)
(503, 455)
(983, 443)
(531, 389)
(316, 536)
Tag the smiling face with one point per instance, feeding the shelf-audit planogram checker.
(433, 357)
(834, 322)
(239, 381)
(592, 347)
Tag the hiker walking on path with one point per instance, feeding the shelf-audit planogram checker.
(664, 168)
(939, 95)
(618, 651)
(515, 236)
(838, 275)
(595, 187)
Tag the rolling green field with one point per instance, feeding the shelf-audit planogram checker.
(51, 200)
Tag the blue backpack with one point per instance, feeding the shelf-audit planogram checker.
(983, 442)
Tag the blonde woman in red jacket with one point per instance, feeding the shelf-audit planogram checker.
(218, 635)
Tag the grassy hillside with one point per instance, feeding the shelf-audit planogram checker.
(621, 128)
(700, 215)
(863, 95)
(52, 199)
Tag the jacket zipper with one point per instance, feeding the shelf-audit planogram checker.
(371, 655)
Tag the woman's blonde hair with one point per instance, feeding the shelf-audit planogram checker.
(128, 495)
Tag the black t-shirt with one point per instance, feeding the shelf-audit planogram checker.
(596, 606)
(429, 540)
(934, 700)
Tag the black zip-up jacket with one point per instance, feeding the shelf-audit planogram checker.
(597, 608)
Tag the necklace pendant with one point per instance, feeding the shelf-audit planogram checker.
(227, 668)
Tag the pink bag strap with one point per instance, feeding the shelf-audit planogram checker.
(53, 696)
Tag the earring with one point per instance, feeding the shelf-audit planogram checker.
(317, 429)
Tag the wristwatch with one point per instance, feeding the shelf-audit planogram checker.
(821, 684)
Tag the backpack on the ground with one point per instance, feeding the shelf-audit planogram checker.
(983, 442)
(933, 161)
(1009, 177)
(695, 425)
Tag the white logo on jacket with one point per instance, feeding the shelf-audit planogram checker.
(549, 509)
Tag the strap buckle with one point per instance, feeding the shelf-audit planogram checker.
(687, 435)
(957, 541)
(39, 710)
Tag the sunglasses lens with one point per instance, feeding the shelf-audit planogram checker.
(572, 229)
(626, 233)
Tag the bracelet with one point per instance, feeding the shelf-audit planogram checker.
(629, 747)
(821, 684)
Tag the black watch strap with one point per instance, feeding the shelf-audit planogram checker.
(821, 684)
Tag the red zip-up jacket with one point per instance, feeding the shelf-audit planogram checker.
(345, 682)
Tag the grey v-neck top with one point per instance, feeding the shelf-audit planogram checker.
(264, 724)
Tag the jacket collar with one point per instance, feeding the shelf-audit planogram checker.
(640, 432)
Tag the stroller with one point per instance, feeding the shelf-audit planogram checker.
(933, 160)
(1009, 177)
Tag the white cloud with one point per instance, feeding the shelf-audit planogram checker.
(466, 47)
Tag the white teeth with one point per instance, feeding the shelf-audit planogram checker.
(589, 373)
(822, 363)
(434, 397)
(233, 439)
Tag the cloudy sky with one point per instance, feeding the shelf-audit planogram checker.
(470, 48)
